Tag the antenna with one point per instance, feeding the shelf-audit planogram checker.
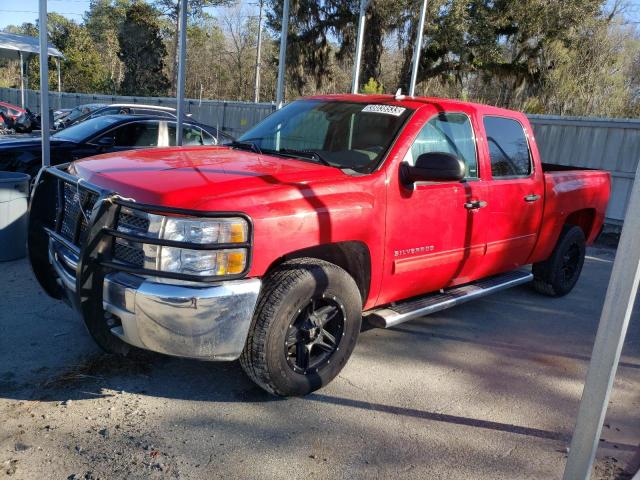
(399, 95)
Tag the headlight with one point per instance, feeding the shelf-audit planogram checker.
(188, 230)
(225, 230)
(204, 231)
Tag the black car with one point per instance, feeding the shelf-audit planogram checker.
(109, 133)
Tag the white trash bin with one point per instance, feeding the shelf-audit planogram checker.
(14, 201)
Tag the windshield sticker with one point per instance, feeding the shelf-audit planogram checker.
(386, 109)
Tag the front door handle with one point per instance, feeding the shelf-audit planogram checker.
(475, 204)
(532, 198)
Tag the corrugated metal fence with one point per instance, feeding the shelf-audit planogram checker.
(608, 144)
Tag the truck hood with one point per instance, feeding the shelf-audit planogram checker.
(193, 177)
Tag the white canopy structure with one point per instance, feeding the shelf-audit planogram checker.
(23, 47)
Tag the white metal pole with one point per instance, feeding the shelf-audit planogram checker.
(355, 81)
(59, 75)
(614, 320)
(21, 80)
(283, 54)
(256, 87)
(418, 49)
(182, 54)
(44, 84)
(59, 83)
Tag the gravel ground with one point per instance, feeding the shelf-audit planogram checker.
(487, 390)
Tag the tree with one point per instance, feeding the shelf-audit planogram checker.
(103, 21)
(372, 87)
(315, 25)
(195, 10)
(81, 67)
(241, 31)
(142, 52)
(592, 73)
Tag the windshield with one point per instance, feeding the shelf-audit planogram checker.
(341, 134)
(77, 112)
(83, 131)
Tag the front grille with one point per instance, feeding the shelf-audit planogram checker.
(76, 209)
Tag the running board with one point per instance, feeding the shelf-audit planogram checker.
(400, 312)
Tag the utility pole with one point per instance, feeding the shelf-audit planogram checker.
(44, 84)
(355, 83)
(256, 88)
(182, 57)
(22, 87)
(283, 55)
(418, 49)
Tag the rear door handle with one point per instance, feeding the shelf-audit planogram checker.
(475, 204)
(532, 198)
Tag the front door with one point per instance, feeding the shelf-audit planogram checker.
(435, 230)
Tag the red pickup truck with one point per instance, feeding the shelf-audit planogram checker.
(271, 249)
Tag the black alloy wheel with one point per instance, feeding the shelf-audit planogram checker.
(570, 263)
(314, 334)
(557, 275)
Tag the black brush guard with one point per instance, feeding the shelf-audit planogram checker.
(95, 253)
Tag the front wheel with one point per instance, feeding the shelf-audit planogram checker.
(557, 275)
(304, 328)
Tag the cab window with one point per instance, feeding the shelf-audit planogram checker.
(508, 147)
(449, 133)
(190, 135)
(136, 135)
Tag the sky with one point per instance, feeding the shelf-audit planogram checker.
(16, 12)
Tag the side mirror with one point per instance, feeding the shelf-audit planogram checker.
(435, 166)
(106, 142)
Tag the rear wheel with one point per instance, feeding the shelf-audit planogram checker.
(557, 275)
(304, 329)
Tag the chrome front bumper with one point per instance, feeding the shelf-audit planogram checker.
(209, 322)
(71, 249)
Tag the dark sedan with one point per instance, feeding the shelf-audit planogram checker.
(109, 133)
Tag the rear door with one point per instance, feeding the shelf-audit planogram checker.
(515, 194)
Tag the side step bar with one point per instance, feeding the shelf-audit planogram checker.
(400, 312)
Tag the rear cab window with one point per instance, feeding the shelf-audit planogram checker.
(508, 148)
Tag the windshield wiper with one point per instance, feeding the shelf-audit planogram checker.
(310, 154)
(245, 145)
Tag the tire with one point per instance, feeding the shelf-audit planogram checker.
(557, 275)
(286, 352)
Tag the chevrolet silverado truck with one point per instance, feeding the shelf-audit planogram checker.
(273, 248)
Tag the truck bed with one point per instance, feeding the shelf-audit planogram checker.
(573, 195)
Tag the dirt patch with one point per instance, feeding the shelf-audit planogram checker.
(101, 366)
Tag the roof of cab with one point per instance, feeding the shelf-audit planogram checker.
(416, 102)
